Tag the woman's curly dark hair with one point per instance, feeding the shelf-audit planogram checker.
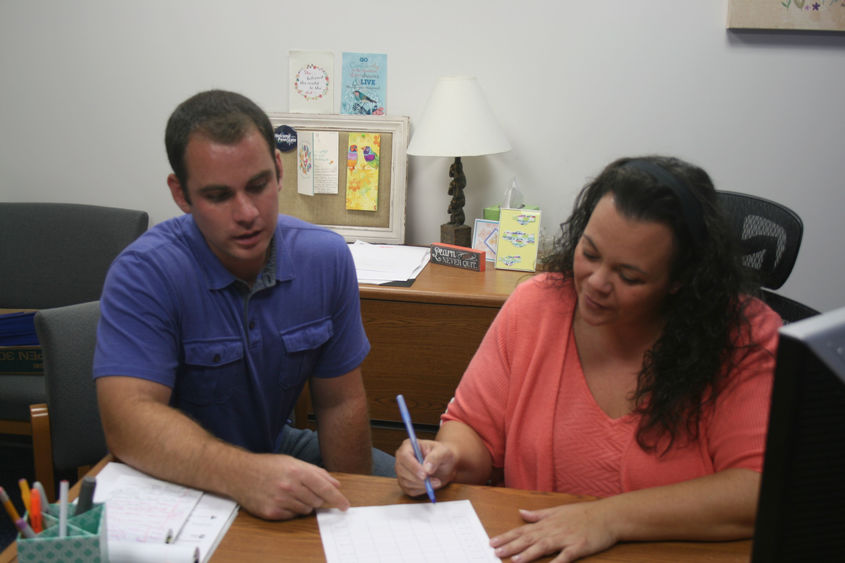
(683, 372)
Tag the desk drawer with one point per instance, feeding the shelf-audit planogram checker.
(420, 350)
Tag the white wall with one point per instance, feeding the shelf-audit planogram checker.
(88, 85)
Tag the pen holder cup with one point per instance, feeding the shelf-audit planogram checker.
(85, 540)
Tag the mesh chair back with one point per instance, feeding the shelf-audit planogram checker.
(770, 234)
(789, 310)
(68, 336)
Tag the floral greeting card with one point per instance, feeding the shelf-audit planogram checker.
(311, 81)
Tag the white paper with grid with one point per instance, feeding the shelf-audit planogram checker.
(405, 533)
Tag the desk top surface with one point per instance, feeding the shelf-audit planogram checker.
(449, 285)
(253, 539)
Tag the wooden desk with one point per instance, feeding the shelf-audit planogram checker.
(422, 339)
(252, 539)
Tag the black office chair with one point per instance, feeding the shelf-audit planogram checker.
(52, 255)
(770, 235)
(67, 432)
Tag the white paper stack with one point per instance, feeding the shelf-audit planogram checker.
(141, 510)
(383, 263)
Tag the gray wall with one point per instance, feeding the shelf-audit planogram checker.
(87, 87)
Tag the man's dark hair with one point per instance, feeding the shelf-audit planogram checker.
(221, 116)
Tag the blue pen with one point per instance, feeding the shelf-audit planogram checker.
(406, 418)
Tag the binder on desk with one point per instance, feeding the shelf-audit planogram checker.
(143, 509)
(20, 353)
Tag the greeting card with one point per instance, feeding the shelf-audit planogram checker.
(311, 81)
(317, 162)
(364, 84)
(485, 236)
(362, 169)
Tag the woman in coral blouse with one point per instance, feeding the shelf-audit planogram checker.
(638, 370)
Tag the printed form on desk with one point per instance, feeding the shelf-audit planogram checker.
(141, 510)
(445, 532)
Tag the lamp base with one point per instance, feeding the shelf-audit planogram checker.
(460, 235)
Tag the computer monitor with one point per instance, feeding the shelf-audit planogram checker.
(801, 510)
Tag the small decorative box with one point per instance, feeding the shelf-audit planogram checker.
(86, 540)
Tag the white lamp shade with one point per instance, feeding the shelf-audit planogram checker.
(457, 121)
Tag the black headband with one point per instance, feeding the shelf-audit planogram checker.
(690, 206)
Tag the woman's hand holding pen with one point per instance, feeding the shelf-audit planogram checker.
(458, 454)
(439, 463)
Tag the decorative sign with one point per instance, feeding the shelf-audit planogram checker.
(458, 256)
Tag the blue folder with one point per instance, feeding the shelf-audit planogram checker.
(18, 329)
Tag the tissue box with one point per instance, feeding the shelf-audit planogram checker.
(86, 539)
(492, 213)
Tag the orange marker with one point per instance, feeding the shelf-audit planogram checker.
(35, 511)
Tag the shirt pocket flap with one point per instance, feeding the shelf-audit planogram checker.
(308, 336)
(210, 353)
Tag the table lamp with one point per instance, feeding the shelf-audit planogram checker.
(456, 122)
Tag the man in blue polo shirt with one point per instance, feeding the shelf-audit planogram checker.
(213, 321)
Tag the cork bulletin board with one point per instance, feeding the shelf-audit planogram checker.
(384, 225)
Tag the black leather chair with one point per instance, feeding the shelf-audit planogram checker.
(51, 255)
(770, 235)
(67, 433)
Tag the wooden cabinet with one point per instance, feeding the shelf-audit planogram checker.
(422, 339)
